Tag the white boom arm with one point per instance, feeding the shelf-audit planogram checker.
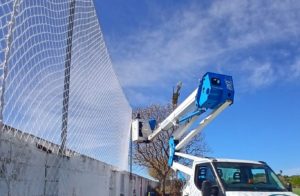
(215, 93)
(202, 124)
(171, 120)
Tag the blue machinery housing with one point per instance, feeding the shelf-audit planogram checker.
(213, 91)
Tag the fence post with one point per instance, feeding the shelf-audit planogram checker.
(66, 92)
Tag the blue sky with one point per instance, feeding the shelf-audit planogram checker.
(154, 44)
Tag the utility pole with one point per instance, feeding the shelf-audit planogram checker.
(130, 155)
(67, 78)
(175, 97)
(130, 164)
(176, 94)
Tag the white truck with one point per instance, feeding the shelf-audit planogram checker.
(209, 176)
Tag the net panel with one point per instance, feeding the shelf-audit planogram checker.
(34, 40)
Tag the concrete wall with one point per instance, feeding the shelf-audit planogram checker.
(29, 167)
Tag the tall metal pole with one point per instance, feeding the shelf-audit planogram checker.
(67, 79)
(130, 154)
(130, 164)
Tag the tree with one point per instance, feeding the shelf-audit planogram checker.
(295, 180)
(154, 155)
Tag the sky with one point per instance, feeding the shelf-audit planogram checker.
(154, 44)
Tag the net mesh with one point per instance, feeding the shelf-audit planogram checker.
(45, 45)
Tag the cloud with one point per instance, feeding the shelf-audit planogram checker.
(191, 40)
(262, 76)
(295, 69)
(256, 74)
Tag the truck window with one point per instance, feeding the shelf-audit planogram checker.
(259, 175)
(247, 177)
(204, 172)
(230, 175)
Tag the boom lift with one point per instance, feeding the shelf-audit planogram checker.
(208, 176)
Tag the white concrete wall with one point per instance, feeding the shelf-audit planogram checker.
(26, 170)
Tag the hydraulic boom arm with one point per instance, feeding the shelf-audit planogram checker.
(214, 93)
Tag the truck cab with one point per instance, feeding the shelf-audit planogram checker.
(220, 177)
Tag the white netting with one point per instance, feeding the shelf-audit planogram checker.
(33, 38)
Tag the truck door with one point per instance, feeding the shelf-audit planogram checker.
(204, 172)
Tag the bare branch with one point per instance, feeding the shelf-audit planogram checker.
(154, 156)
